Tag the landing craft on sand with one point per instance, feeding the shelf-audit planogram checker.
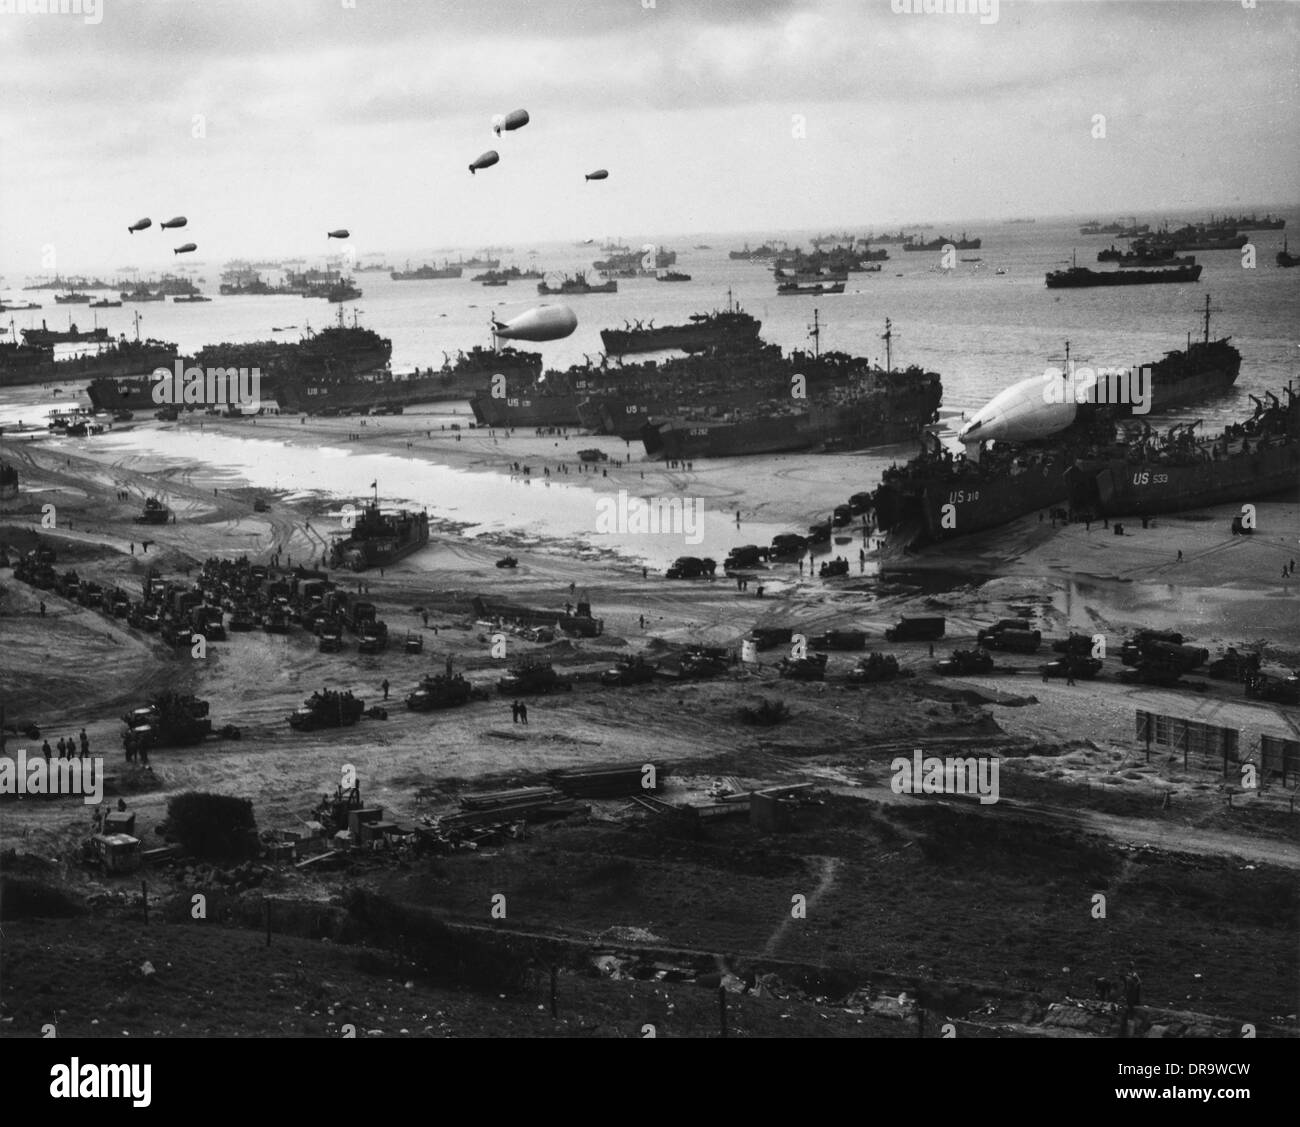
(378, 539)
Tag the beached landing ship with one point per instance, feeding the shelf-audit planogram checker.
(849, 405)
(939, 496)
(379, 539)
(1153, 473)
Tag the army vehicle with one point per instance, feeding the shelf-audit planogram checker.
(114, 853)
(330, 709)
(629, 671)
(769, 637)
(155, 512)
(1079, 644)
(1265, 686)
(276, 620)
(810, 668)
(533, 677)
(414, 643)
(1002, 624)
(831, 569)
(819, 533)
(507, 561)
(1015, 641)
(1073, 665)
(788, 546)
(860, 503)
(242, 618)
(917, 629)
(171, 720)
(747, 555)
(1133, 648)
(1234, 666)
(966, 663)
(705, 661)
(1183, 658)
(440, 691)
(842, 515)
(260, 506)
(840, 640)
(1147, 672)
(688, 567)
(331, 638)
(374, 638)
(875, 667)
(592, 455)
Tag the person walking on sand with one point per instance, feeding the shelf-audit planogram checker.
(514, 711)
(523, 713)
(384, 685)
(1180, 555)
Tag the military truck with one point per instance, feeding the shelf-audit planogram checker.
(440, 691)
(1015, 641)
(1079, 644)
(689, 567)
(530, 677)
(788, 546)
(374, 638)
(810, 668)
(629, 671)
(705, 661)
(170, 720)
(747, 555)
(1265, 686)
(1002, 624)
(1073, 665)
(917, 629)
(1234, 666)
(331, 637)
(874, 667)
(330, 709)
(840, 640)
(966, 663)
(1183, 658)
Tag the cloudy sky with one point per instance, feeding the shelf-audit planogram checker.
(269, 122)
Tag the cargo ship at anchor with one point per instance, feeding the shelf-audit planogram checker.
(720, 328)
(940, 495)
(1076, 277)
(379, 539)
(850, 405)
(942, 241)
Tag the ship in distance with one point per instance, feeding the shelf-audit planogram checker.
(71, 335)
(1144, 254)
(426, 273)
(509, 274)
(1251, 222)
(574, 285)
(1077, 277)
(1131, 229)
(1019, 445)
(1198, 236)
(701, 331)
(1285, 258)
(810, 289)
(942, 241)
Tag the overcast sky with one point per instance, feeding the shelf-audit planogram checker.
(317, 116)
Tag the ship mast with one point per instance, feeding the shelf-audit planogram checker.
(137, 326)
(888, 338)
(815, 331)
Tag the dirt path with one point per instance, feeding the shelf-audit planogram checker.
(829, 867)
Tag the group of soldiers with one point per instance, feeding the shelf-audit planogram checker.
(67, 747)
